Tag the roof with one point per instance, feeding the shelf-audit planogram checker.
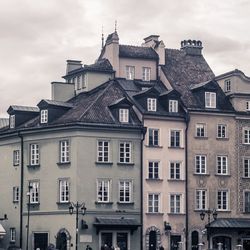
(233, 72)
(56, 103)
(22, 108)
(137, 52)
(4, 122)
(230, 223)
(122, 221)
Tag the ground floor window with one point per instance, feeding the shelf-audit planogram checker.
(246, 244)
(41, 240)
(113, 239)
(175, 242)
(226, 242)
(195, 240)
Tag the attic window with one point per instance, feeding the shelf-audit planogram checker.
(12, 121)
(210, 100)
(44, 116)
(146, 73)
(173, 106)
(151, 102)
(247, 105)
(123, 115)
(130, 72)
(227, 85)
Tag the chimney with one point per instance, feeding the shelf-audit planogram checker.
(112, 38)
(72, 65)
(151, 40)
(192, 47)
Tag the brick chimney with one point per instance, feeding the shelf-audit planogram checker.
(192, 47)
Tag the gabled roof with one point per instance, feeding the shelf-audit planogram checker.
(55, 103)
(130, 51)
(4, 122)
(13, 108)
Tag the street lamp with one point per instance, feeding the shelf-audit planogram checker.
(4, 217)
(209, 212)
(77, 206)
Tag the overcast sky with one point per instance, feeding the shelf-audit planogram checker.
(38, 36)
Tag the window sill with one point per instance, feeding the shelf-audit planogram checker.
(104, 203)
(125, 164)
(63, 163)
(176, 180)
(33, 166)
(170, 147)
(223, 175)
(15, 202)
(154, 179)
(197, 174)
(62, 203)
(16, 165)
(153, 146)
(244, 177)
(176, 213)
(103, 163)
(34, 204)
(223, 211)
(125, 203)
(222, 138)
(201, 137)
(148, 213)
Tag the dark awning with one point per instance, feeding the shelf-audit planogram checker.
(116, 223)
(229, 223)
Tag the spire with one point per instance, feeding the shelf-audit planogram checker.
(115, 25)
(102, 37)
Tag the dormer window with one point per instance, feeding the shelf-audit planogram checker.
(44, 116)
(12, 121)
(151, 102)
(173, 106)
(146, 72)
(210, 100)
(78, 82)
(247, 105)
(130, 72)
(227, 85)
(84, 83)
(123, 115)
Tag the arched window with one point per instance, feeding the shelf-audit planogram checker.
(195, 240)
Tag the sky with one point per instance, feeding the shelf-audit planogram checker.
(38, 36)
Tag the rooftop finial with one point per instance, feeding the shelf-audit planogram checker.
(102, 37)
(115, 25)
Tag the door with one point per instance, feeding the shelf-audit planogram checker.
(175, 241)
(40, 241)
(106, 240)
(246, 244)
(122, 241)
(61, 241)
(152, 240)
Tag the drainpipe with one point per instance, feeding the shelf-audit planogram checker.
(21, 191)
(187, 119)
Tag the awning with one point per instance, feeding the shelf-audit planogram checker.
(2, 231)
(116, 224)
(229, 224)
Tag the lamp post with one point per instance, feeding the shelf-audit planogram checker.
(209, 212)
(28, 217)
(77, 206)
(4, 217)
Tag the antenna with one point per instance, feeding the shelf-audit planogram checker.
(102, 37)
(115, 25)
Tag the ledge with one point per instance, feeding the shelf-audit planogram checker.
(125, 203)
(154, 179)
(125, 164)
(33, 166)
(176, 180)
(16, 165)
(157, 214)
(222, 138)
(197, 174)
(176, 214)
(103, 203)
(103, 163)
(63, 163)
(201, 137)
(222, 175)
(175, 147)
(62, 203)
(153, 146)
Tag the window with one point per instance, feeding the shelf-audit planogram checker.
(201, 199)
(15, 194)
(153, 170)
(12, 234)
(64, 151)
(222, 165)
(44, 116)
(130, 72)
(221, 131)
(153, 203)
(34, 192)
(173, 106)
(175, 203)
(125, 152)
(125, 191)
(210, 100)
(246, 135)
(200, 164)
(16, 157)
(200, 129)
(84, 81)
(78, 82)
(247, 201)
(146, 73)
(227, 85)
(175, 170)
(175, 136)
(222, 200)
(247, 105)
(123, 115)
(12, 121)
(64, 191)
(103, 151)
(153, 137)
(103, 190)
(246, 170)
(34, 154)
(151, 104)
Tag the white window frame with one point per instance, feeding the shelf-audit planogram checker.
(16, 157)
(103, 151)
(173, 135)
(34, 192)
(173, 106)
(201, 199)
(202, 169)
(146, 73)
(222, 164)
(155, 133)
(124, 115)
(220, 204)
(16, 194)
(173, 173)
(155, 203)
(12, 121)
(221, 131)
(152, 104)
(210, 99)
(12, 234)
(125, 152)
(246, 136)
(201, 129)
(227, 85)
(248, 202)
(44, 116)
(125, 191)
(78, 82)
(153, 170)
(173, 203)
(64, 190)
(246, 167)
(64, 151)
(34, 154)
(130, 72)
(101, 186)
